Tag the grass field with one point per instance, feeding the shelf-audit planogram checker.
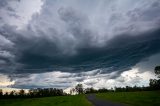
(148, 98)
(78, 100)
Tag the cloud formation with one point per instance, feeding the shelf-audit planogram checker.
(94, 78)
(77, 36)
(5, 81)
(138, 75)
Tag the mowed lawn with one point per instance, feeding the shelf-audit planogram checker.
(144, 98)
(78, 100)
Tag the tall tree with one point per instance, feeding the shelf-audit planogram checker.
(155, 83)
(1, 92)
(157, 71)
(79, 88)
(21, 92)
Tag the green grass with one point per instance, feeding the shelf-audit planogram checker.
(78, 100)
(145, 98)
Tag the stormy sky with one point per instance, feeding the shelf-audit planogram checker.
(59, 43)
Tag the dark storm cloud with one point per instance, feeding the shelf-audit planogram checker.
(65, 40)
(121, 53)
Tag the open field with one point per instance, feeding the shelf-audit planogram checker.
(78, 100)
(145, 98)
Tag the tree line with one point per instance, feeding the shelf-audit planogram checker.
(33, 93)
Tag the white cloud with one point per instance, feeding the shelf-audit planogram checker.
(6, 54)
(5, 42)
(5, 81)
(148, 64)
(18, 13)
(93, 78)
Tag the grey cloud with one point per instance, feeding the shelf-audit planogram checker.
(14, 15)
(77, 25)
(3, 3)
(56, 79)
(67, 38)
(149, 64)
(53, 79)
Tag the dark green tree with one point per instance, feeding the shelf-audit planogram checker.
(21, 92)
(1, 93)
(79, 88)
(155, 83)
(157, 71)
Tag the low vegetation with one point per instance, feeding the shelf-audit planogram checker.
(77, 100)
(142, 98)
